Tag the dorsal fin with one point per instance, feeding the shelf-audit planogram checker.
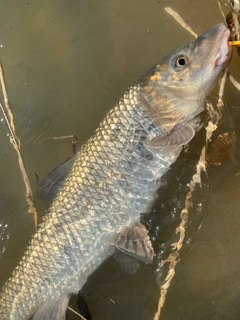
(51, 184)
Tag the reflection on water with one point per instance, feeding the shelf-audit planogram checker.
(4, 236)
(66, 63)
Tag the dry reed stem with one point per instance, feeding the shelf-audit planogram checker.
(221, 10)
(177, 17)
(15, 141)
(236, 24)
(233, 81)
(82, 317)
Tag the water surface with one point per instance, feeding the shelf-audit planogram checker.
(66, 63)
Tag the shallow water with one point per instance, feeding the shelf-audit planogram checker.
(66, 63)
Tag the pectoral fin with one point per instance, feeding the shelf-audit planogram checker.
(53, 311)
(181, 134)
(134, 241)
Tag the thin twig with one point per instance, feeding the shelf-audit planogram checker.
(15, 141)
(65, 137)
(74, 141)
(177, 17)
(82, 317)
(112, 300)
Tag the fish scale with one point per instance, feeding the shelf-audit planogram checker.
(98, 148)
(113, 179)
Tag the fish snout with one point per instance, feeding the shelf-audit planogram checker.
(221, 52)
(224, 54)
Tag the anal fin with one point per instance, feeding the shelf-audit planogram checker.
(127, 263)
(134, 241)
(53, 311)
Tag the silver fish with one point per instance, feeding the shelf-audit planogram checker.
(113, 180)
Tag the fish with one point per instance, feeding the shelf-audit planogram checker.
(96, 198)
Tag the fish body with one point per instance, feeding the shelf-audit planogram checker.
(113, 179)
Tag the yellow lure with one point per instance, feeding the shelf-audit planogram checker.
(234, 43)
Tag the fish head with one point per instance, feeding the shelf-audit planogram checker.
(176, 87)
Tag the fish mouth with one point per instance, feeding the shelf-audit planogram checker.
(224, 53)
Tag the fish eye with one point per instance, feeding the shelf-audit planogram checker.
(180, 62)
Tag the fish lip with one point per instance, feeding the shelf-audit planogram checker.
(224, 53)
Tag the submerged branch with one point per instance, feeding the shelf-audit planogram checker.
(173, 257)
(15, 141)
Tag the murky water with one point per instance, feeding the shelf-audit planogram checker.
(66, 63)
